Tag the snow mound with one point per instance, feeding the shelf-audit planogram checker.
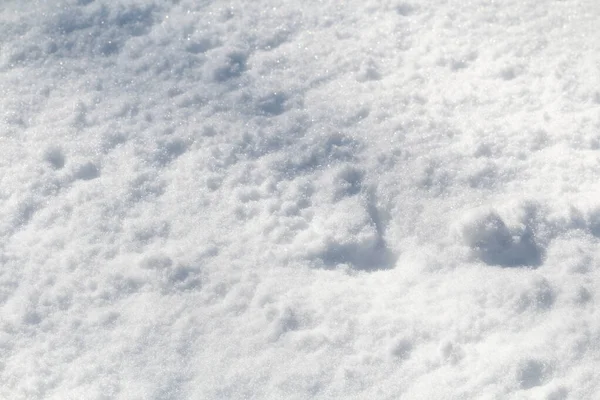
(509, 242)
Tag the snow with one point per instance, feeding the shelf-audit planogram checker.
(311, 200)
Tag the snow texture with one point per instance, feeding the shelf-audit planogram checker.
(302, 200)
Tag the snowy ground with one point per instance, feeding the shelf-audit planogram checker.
(299, 200)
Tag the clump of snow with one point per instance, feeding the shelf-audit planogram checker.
(497, 242)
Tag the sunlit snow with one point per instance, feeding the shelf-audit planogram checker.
(372, 199)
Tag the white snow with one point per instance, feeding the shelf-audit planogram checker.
(372, 199)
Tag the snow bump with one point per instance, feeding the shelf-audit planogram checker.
(498, 242)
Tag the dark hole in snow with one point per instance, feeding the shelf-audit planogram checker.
(56, 158)
(87, 171)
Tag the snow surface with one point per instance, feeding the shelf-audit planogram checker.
(372, 199)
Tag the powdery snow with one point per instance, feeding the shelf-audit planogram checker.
(301, 200)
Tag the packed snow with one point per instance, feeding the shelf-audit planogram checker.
(321, 199)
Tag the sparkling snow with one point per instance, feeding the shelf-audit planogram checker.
(372, 199)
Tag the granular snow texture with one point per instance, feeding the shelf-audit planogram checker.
(371, 199)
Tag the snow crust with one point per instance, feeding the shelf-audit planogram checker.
(301, 200)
